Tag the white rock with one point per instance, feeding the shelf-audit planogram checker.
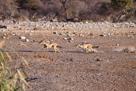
(117, 44)
(22, 37)
(81, 35)
(108, 34)
(12, 34)
(3, 37)
(27, 40)
(65, 38)
(30, 34)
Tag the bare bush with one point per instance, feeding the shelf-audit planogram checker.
(69, 10)
(29, 4)
(74, 7)
(8, 9)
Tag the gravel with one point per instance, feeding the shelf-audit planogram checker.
(71, 25)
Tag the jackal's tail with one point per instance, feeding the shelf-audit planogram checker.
(95, 46)
(59, 46)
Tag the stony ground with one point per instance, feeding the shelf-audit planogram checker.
(112, 68)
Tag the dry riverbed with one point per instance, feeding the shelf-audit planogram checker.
(112, 68)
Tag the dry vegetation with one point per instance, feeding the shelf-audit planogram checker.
(11, 78)
(69, 10)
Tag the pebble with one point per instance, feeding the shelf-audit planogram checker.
(102, 35)
(117, 44)
(81, 35)
(3, 30)
(98, 59)
(91, 34)
(12, 34)
(3, 37)
(60, 33)
(27, 40)
(68, 35)
(70, 41)
(30, 34)
(65, 38)
(22, 37)
(84, 42)
(108, 34)
(71, 38)
(54, 32)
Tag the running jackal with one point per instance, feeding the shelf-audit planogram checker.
(53, 45)
(87, 47)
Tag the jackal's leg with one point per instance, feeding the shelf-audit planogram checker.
(56, 49)
(47, 48)
(86, 50)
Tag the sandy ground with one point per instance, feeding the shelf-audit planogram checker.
(72, 69)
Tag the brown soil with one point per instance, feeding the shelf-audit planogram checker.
(71, 69)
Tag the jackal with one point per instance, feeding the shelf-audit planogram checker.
(87, 47)
(52, 45)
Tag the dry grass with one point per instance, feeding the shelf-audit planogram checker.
(11, 81)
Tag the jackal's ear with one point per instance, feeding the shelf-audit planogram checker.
(77, 45)
(45, 46)
(41, 41)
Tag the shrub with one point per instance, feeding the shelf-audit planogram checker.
(29, 4)
(8, 8)
(121, 4)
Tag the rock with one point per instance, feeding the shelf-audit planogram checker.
(26, 40)
(117, 44)
(84, 42)
(65, 38)
(37, 28)
(70, 41)
(102, 35)
(91, 34)
(68, 35)
(3, 27)
(108, 34)
(98, 59)
(3, 37)
(22, 37)
(30, 34)
(12, 34)
(71, 38)
(54, 32)
(81, 35)
(60, 33)
(14, 21)
(130, 49)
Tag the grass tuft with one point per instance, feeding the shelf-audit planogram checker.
(9, 81)
(2, 43)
